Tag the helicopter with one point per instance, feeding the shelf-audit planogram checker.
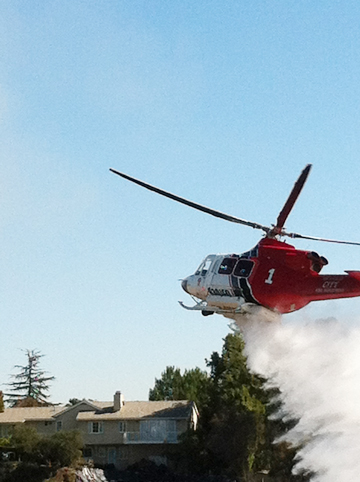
(269, 280)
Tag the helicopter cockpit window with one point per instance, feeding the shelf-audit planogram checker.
(227, 265)
(204, 267)
(243, 268)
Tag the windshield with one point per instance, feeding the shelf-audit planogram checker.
(205, 266)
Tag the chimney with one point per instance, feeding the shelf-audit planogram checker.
(118, 401)
(1, 401)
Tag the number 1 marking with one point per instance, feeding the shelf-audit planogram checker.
(269, 280)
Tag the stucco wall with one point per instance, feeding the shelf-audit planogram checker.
(110, 435)
(123, 456)
(68, 417)
(43, 428)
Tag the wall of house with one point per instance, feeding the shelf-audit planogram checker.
(113, 447)
(68, 417)
(148, 438)
(110, 433)
(123, 456)
(43, 428)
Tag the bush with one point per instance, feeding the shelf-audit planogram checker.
(40, 457)
(27, 472)
(61, 449)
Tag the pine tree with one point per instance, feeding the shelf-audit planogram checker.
(234, 422)
(235, 433)
(30, 386)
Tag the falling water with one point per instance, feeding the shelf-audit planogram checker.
(316, 366)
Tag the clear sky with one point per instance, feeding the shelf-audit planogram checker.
(220, 102)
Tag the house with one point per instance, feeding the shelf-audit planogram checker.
(117, 432)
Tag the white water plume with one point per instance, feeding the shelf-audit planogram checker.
(316, 366)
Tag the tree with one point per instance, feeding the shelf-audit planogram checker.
(235, 432)
(172, 385)
(72, 402)
(1, 401)
(30, 385)
(40, 457)
(61, 449)
(169, 386)
(233, 423)
(25, 441)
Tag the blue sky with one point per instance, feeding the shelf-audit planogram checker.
(220, 102)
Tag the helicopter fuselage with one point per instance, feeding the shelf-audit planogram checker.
(274, 275)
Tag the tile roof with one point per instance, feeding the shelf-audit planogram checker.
(135, 410)
(23, 414)
(179, 409)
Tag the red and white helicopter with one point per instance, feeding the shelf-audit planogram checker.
(271, 279)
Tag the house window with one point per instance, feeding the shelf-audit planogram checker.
(111, 457)
(96, 427)
(58, 425)
(87, 452)
(158, 431)
(122, 427)
(101, 451)
(48, 423)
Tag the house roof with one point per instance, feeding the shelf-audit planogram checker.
(23, 414)
(180, 409)
(90, 405)
(94, 410)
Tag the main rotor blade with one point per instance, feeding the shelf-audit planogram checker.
(301, 236)
(291, 200)
(192, 204)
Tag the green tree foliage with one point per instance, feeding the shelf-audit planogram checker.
(168, 387)
(4, 442)
(235, 435)
(172, 385)
(25, 441)
(31, 385)
(40, 457)
(61, 449)
(72, 402)
(25, 472)
(234, 420)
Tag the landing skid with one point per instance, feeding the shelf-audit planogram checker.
(244, 313)
(209, 310)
